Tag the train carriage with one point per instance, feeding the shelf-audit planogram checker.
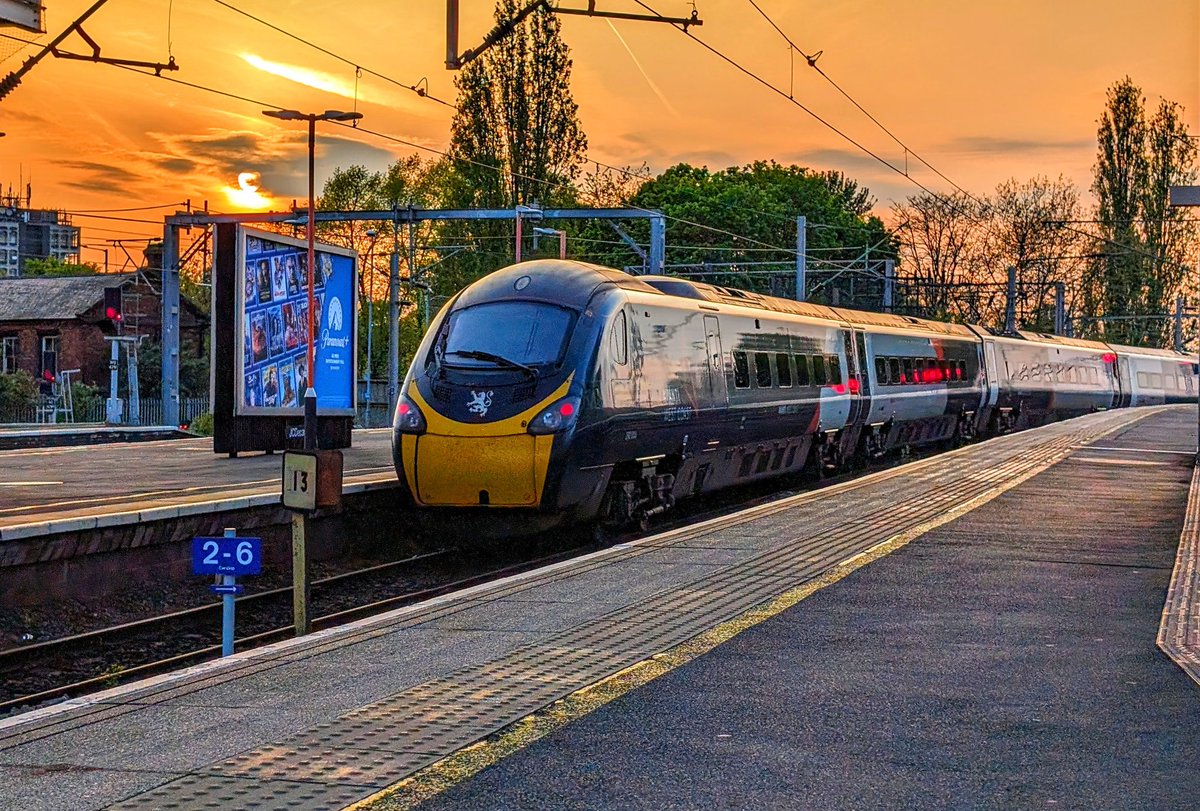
(564, 392)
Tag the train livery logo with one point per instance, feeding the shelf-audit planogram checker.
(481, 401)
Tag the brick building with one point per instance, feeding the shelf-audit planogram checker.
(58, 322)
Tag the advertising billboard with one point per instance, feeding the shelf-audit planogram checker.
(272, 318)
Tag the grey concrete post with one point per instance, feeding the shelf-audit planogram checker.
(801, 258)
(889, 285)
(658, 245)
(1179, 323)
(393, 332)
(1010, 303)
(1060, 308)
(170, 325)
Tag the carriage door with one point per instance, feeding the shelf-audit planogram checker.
(855, 378)
(993, 373)
(717, 393)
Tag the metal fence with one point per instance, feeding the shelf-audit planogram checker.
(150, 412)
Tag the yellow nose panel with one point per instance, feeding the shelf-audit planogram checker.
(455, 470)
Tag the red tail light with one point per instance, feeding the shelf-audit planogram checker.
(558, 417)
(854, 385)
(1109, 357)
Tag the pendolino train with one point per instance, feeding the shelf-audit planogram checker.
(575, 392)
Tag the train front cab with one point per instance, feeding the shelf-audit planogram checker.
(495, 391)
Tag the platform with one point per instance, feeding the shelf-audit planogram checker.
(58, 489)
(973, 630)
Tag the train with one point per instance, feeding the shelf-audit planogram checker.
(566, 392)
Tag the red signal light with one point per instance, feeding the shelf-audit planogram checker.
(112, 314)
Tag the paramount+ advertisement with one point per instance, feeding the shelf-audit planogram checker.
(272, 317)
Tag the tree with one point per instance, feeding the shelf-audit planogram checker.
(52, 266)
(516, 137)
(1143, 245)
(1029, 229)
(940, 243)
(406, 182)
(738, 227)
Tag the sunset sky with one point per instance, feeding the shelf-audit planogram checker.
(983, 91)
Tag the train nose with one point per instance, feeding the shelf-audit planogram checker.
(497, 471)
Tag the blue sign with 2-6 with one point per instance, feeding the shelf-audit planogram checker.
(234, 556)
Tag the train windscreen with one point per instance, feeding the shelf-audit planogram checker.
(524, 332)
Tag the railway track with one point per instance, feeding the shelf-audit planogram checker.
(44, 672)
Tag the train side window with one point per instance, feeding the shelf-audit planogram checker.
(762, 370)
(1142, 381)
(620, 344)
(906, 375)
(818, 369)
(1155, 380)
(783, 370)
(803, 371)
(741, 371)
(881, 368)
(894, 371)
(835, 370)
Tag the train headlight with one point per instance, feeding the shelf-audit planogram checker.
(409, 419)
(558, 417)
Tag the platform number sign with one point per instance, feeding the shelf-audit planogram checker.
(300, 480)
(231, 556)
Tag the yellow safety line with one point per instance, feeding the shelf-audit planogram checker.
(468, 762)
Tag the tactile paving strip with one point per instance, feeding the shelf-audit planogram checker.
(381, 742)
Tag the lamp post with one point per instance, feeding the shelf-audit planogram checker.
(310, 396)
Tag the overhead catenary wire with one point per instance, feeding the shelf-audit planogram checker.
(936, 195)
(811, 59)
(416, 88)
(412, 144)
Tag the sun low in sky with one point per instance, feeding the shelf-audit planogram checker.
(984, 92)
(246, 195)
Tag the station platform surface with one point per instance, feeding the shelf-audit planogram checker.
(973, 630)
(55, 489)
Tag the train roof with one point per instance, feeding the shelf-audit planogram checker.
(717, 294)
(555, 281)
(1152, 352)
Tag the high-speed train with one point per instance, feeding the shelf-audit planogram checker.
(573, 392)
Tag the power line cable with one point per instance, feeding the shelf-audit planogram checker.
(416, 88)
(812, 62)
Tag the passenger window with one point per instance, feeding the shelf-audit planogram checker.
(1143, 382)
(620, 344)
(947, 375)
(818, 370)
(906, 376)
(894, 371)
(783, 370)
(881, 368)
(741, 371)
(803, 372)
(762, 370)
(835, 370)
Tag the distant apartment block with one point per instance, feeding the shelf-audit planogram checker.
(34, 233)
